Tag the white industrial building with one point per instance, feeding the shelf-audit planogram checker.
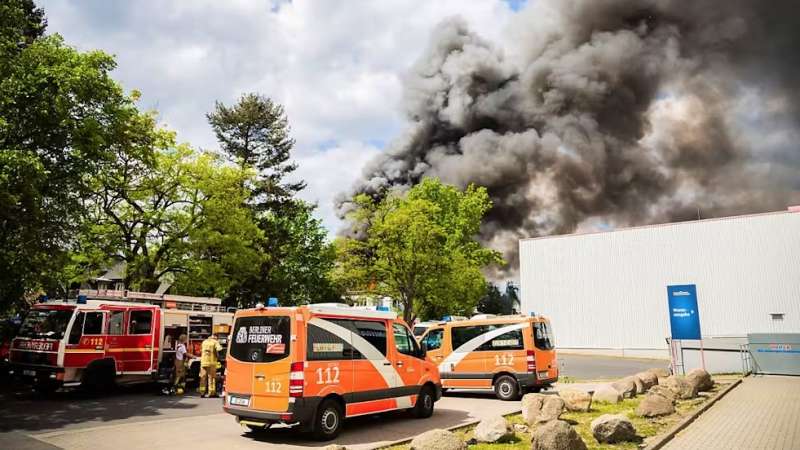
(606, 292)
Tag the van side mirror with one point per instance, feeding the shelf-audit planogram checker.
(423, 349)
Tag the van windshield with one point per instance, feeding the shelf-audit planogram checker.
(45, 323)
(542, 336)
(260, 339)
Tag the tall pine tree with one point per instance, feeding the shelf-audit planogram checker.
(295, 255)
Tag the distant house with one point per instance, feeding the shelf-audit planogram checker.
(113, 279)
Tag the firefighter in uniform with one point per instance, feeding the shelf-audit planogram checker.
(181, 356)
(208, 366)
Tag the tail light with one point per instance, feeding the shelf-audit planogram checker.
(297, 379)
(531, 359)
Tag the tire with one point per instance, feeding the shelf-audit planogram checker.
(99, 379)
(506, 388)
(327, 420)
(424, 407)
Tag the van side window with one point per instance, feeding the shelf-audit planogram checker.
(461, 335)
(506, 341)
(324, 345)
(542, 336)
(115, 322)
(404, 342)
(77, 328)
(140, 322)
(372, 332)
(93, 323)
(433, 340)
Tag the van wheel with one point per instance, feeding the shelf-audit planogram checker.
(506, 388)
(424, 407)
(327, 421)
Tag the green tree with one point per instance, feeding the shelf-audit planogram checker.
(62, 119)
(255, 133)
(420, 249)
(497, 302)
(182, 218)
(296, 257)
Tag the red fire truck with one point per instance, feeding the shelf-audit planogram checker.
(97, 342)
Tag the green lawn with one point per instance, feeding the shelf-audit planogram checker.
(645, 428)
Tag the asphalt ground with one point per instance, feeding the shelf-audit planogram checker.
(137, 417)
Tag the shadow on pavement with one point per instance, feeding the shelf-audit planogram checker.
(26, 410)
(367, 429)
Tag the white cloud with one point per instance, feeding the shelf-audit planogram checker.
(336, 66)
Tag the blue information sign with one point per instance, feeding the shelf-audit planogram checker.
(684, 318)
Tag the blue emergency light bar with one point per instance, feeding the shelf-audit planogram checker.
(382, 308)
(81, 299)
(533, 314)
(272, 302)
(447, 319)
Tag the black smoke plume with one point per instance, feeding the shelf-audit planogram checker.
(607, 113)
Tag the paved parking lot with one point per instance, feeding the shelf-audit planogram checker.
(132, 420)
(135, 417)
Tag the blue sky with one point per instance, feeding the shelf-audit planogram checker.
(336, 66)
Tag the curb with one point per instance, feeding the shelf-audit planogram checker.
(453, 428)
(663, 440)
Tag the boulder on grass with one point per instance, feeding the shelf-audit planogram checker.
(556, 435)
(576, 400)
(438, 440)
(659, 372)
(606, 393)
(639, 385)
(655, 405)
(649, 379)
(626, 387)
(493, 429)
(540, 408)
(681, 387)
(663, 391)
(701, 379)
(612, 428)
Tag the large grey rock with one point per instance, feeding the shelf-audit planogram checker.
(655, 405)
(556, 435)
(606, 393)
(665, 392)
(648, 379)
(493, 429)
(659, 372)
(639, 385)
(438, 440)
(626, 387)
(576, 400)
(681, 387)
(611, 428)
(540, 408)
(701, 379)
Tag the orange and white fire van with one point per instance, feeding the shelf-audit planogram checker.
(510, 354)
(96, 343)
(316, 365)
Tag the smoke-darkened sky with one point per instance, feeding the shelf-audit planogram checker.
(596, 114)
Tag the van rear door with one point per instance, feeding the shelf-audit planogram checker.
(262, 344)
(546, 366)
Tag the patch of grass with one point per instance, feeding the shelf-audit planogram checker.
(581, 421)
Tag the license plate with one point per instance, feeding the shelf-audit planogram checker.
(29, 373)
(542, 374)
(238, 401)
